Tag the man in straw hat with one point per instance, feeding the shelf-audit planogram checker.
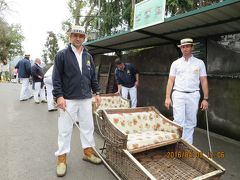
(24, 72)
(186, 73)
(74, 79)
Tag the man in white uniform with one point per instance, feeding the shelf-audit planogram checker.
(49, 86)
(38, 85)
(186, 73)
(24, 73)
(74, 79)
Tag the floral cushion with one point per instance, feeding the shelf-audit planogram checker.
(144, 128)
(147, 138)
(110, 102)
(138, 122)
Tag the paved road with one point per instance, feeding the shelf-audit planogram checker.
(28, 139)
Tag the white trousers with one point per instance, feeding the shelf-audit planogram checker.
(39, 91)
(81, 111)
(133, 95)
(49, 87)
(185, 107)
(25, 91)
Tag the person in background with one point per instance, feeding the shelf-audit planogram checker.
(127, 77)
(74, 80)
(5, 71)
(1, 64)
(15, 76)
(49, 87)
(186, 73)
(24, 72)
(38, 85)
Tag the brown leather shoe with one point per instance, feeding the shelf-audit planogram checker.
(61, 165)
(90, 157)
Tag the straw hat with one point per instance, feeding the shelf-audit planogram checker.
(27, 55)
(186, 41)
(77, 29)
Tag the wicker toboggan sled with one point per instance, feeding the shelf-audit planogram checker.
(143, 144)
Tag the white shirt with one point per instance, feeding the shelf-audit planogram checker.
(187, 73)
(78, 56)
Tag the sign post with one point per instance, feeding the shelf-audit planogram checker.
(148, 13)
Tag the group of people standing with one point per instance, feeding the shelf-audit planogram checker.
(74, 81)
(182, 92)
(25, 70)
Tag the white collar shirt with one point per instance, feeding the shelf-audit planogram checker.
(78, 56)
(187, 73)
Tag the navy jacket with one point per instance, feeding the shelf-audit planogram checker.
(126, 77)
(24, 68)
(68, 81)
(37, 71)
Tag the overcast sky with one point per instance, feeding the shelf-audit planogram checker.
(37, 17)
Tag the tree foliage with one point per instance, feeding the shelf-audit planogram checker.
(51, 47)
(118, 14)
(10, 36)
(82, 13)
(10, 40)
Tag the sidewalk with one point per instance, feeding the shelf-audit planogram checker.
(223, 145)
(28, 139)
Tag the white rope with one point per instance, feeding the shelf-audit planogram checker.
(209, 142)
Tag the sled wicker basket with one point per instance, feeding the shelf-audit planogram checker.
(168, 159)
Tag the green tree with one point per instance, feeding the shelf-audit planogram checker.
(51, 47)
(118, 14)
(10, 40)
(87, 19)
(66, 25)
(45, 56)
(174, 7)
(10, 35)
(75, 7)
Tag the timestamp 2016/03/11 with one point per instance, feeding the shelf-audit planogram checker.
(183, 154)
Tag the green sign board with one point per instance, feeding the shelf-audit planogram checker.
(148, 12)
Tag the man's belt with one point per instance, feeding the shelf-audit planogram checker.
(185, 91)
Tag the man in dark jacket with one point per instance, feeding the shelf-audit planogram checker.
(24, 73)
(74, 80)
(127, 77)
(37, 75)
